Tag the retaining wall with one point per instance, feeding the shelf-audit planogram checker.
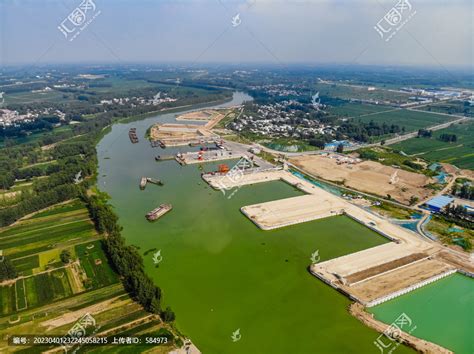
(408, 289)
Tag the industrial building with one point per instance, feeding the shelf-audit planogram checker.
(436, 204)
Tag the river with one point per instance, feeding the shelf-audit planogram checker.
(219, 272)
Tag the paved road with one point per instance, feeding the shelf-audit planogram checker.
(243, 149)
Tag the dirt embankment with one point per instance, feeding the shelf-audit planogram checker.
(368, 176)
(423, 346)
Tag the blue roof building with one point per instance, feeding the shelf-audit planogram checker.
(434, 166)
(436, 204)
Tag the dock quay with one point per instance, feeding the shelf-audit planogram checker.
(132, 134)
(190, 158)
(156, 213)
(370, 276)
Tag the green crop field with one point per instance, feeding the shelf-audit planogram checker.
(459, 153)
(357, 109)
(34, 245)
(60, 209)
(7, 299)
(47, 287)
(362, 93)
(26, 264)
(44, 231)
(411, 120)
(454, 107)
(20, 295)
(95, 264)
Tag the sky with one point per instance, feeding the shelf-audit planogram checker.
(422, 32)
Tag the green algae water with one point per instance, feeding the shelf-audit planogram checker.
(443, 312)
(218, 271)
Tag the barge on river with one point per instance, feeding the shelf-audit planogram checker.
(156, 213)
(132, 134)
(145, 180)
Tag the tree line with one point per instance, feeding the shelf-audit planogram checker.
(361, 131)
(466, 191)
(7, 270)
(59, 186)
(125, 259)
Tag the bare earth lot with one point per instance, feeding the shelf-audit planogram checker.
(368, 176)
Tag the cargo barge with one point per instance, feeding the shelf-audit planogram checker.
(156, 213)
(164, 157)
(154, 181)
(145, 180)
(132, 134)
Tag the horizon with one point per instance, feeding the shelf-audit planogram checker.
(241, 33)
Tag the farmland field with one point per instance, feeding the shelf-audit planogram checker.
(7, 299)
(47, 287)
(459, 153)
(455, 107)
(357, 109)
(411, 120)
(94, 263)
(20, 294)
(362, 92)
(34, 245)
(27, 263)
(45, 230)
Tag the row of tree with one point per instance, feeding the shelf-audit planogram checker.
(448, 138)
(7, 270)
(460, 215)
(362, 132)
(424, 133)
(125, 259)
(466, 191)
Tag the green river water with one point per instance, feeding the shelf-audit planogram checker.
(443, 312)
(219, 272)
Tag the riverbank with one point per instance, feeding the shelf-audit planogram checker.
(420, 345)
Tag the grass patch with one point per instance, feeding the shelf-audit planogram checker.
(393, 211)
(450, 233)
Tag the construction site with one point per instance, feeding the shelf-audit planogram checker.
(369, 277)
(175, 134)
(366, 176)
